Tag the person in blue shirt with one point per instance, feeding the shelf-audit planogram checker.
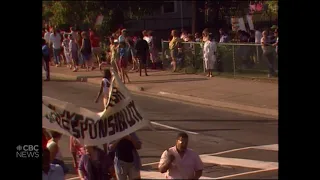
(46, 59)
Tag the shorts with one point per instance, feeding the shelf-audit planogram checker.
(125, 169)
(142, 59)
(68, 57)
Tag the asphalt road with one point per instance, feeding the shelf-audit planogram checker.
(210, 130)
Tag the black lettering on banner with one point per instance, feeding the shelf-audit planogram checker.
(75, 130)
(111, 125)
(116, 121)
(83, 128)
(128, 117)
(103, 128)
(135, 110)
(122, 122)
(92, 127)
(50, 106)
(66, 124)
(116, 97)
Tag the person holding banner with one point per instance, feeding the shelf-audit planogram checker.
(49, 170)
(77, 150)
(127, 162)
(95, 165)
(55, 153)
(104, 88)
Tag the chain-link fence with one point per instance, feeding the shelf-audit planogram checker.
(234, 58)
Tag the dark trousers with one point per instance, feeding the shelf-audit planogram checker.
(46, 66)
(270, 61)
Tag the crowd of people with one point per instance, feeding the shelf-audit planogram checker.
(118, 160)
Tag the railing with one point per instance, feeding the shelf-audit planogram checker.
(236, 59)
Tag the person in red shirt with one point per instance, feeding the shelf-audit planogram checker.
(95, 44)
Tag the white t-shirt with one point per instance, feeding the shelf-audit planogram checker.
(258, 36)
(47, 37)
(55, 40)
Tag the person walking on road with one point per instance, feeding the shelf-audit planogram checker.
(86, 51)
(181, 162)
(123, 61)
(73, 47)
(55, 43)
(142, 53)
(66, 49)
(127, 162)
(50, 171)
(104, 88)
(46, 59)
(209, 54)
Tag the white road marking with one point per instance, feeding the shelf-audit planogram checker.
(74, 178)
(246, 173)
(158, 175)
(271, 147)
(173, 128)
(248, 163)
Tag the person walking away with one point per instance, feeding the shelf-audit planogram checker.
(77, 150)
(174, 46)
(50, 171)
(209, 54)
(95, 44)
(104, 88)
(267, 51)
(95, 164)
(86, 51)
(55, 43)
(224, 38)
(55, 152)
(142, 53)
(123, 62)
(73, 51)
(180, 162)
(46, 36)
(127, 163)
(65, 45)
(46, 59)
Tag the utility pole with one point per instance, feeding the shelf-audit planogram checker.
(194, 16)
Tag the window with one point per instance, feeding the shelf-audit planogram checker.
(169, 7)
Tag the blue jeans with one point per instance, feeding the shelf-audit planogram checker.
(56, 55)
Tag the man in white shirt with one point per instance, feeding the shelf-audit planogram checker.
(47, 36)
(50, 171)
(55, 42)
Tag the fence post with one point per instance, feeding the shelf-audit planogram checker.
(234, 62)
(258, 56)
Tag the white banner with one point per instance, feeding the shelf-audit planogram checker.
(119, 119)
(250, 22)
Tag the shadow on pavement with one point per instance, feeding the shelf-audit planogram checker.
(171, 80)
(219, 120)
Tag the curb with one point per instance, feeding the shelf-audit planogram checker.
(213, 103)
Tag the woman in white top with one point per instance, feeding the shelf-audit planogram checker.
(209, 54)
(105, 84)
(55, 153)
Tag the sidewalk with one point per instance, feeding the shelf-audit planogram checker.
(243, 95)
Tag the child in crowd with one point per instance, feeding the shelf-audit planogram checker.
(65, 45)
(73, 50)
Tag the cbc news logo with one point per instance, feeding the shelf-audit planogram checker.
(27, 151)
